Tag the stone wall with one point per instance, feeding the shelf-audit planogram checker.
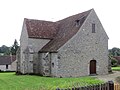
(28, 60)
(48, 64)
(3, 68)
(36, 45)
(45, 64)
(54, 64)
(18, 61)
(23, 46)
(36, 63)
(13, 66)
(76, 54)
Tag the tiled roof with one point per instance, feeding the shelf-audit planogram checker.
(59, 32)
(7, 60)
(40, 29)
(67, 29)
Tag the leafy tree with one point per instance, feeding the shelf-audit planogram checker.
(4, 50)
(113, 53)
(113, 60)
(14, 47)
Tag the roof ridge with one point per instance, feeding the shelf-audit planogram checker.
(75, 15)
(57, 20)
(27, 19)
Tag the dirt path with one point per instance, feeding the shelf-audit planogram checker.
(109, 77)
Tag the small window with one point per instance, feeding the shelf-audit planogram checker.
(58, 57)
(31, 61)
(6, 66)
(93, 28)
(52, 64)
(77, 23)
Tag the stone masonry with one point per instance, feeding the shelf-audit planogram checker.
(76, 54)
(72, 47)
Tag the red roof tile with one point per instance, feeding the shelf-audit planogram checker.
(40, 29)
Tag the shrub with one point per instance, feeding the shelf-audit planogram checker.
(114, 62)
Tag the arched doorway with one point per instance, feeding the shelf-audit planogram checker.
(92, 67)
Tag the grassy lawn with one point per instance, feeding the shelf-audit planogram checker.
(116, 68)
(9, 81)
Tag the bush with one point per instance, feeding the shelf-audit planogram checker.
(114, 62)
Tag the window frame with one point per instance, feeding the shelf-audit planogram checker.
(93, 27)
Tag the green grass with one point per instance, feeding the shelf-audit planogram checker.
(116, 68)
(10, 81)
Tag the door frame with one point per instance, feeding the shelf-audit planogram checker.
(92, 67)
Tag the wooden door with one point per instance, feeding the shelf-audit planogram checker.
(93, 67)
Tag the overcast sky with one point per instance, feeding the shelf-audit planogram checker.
(12, 13)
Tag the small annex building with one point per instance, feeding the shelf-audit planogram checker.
(71, 47)
(8, 63)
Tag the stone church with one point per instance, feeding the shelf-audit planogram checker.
(71, 47)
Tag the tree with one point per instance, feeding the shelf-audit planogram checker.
(112, 54)
(14, 47)
(4, 50)
(113, 60)
(114, 51)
